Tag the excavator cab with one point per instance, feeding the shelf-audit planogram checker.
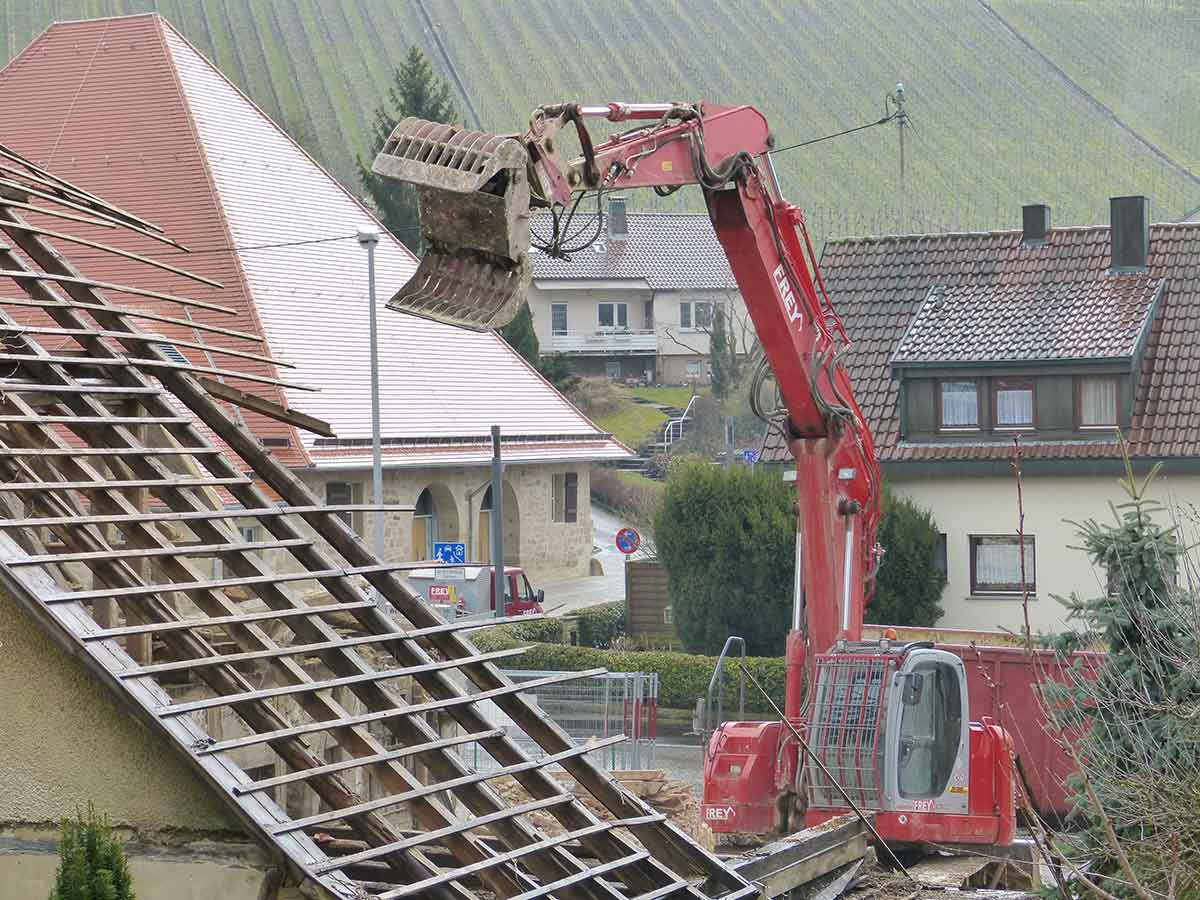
(889, 724)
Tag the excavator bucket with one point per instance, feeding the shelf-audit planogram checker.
(473, 190)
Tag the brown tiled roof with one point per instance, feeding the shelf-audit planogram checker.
(1029, 321)
(667, 251)
(879, 284)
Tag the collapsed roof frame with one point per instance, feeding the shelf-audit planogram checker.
(89, 438)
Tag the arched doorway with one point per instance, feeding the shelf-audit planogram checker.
(512, 528)
(435, 518)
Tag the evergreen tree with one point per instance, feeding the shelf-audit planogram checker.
(520, 335)
(909, 583)
(92, 864)
(726, 538)
(719, 356)
(415, 91)
(1135, 722)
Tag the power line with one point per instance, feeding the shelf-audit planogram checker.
(829, 137)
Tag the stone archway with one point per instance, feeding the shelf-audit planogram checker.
(512, 528)
(435, 518)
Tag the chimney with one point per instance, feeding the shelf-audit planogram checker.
(618, 220)
(1035, 223)
(1129, 233)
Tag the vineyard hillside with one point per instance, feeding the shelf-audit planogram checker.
(1013, 102)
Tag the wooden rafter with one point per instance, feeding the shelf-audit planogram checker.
(87, 434)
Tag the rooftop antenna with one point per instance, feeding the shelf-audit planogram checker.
(896, 98)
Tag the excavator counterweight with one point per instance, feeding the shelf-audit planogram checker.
(473, 192)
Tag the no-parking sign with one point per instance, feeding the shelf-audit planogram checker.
(628, 540)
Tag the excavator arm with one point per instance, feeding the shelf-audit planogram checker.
(478, 192)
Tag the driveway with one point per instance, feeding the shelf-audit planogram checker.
(570, 594)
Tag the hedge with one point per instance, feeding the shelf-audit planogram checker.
(598, 625)
(683, 677)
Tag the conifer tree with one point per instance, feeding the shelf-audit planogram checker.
(92, 864)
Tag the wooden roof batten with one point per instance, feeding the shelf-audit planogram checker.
(92, 434)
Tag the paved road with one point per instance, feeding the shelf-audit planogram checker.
(575, 593)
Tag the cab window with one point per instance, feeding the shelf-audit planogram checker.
(930, 730)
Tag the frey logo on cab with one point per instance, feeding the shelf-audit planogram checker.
(784, 286)
(719, 813)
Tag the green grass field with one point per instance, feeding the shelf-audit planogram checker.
(632, 423)
(668, 396)
(995, 123)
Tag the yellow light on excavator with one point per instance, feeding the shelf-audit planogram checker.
(473, 192)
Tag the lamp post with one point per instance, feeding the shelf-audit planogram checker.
(369, 238)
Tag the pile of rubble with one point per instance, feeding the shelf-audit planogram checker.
(674, 799)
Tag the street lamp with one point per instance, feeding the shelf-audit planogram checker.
(368, 238)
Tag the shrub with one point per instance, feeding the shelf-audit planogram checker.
(599, 625)
(543, 631)
(92, 863)
(595, 397)
(726, 538)
(635, 499)
(683, 677)
(909, 584)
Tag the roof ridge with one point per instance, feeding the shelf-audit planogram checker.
(218, 202)
(384, 234)
(1003, 232)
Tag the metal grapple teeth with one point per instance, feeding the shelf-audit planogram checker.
(473, 192)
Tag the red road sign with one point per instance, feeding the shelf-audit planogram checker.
(628, 540)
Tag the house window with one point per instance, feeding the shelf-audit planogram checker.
(668, 615)
(613, 315)
(1013, 402)
(558, 318)
(612, 370)
(693, 368)
(344, 493)
(1098, 402)
(564, 497)
(695, 314)
(959, 404)
(940, 561)
(648, 315)
(996, 564)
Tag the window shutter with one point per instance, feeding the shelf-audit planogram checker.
(571, 496)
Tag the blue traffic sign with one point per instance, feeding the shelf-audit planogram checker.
(749, 457)
(450, 553)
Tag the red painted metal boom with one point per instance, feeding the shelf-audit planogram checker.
(726, 150)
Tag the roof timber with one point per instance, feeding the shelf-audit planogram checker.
(84, 468)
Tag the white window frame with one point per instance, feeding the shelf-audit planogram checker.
(689, 320)
(942, 424)
(620, 310)
(554, 309)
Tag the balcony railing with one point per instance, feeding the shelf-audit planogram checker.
(604, 342)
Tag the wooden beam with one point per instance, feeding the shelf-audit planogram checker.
(205, 514)
(31, 275)
(152, 339)
(132, 314)
(105, 362)
(266, 407)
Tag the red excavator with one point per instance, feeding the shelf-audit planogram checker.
(887, 723)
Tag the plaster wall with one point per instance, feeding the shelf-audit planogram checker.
(986, 505)
(64, 740)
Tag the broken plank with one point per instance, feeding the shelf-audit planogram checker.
(267, 408)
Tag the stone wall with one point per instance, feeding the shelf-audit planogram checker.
(546, 549)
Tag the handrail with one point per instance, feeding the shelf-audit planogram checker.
(669, 432)
(716, 682)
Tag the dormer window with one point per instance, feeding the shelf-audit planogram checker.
(959, 405)
(1098, 401)
(1013, 402)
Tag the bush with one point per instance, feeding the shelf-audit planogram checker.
(909, 584)
(596, 397)
(634, 498)
(599, 625)
(92, 863)
(726, 538)
(543, 631)
(683, 677)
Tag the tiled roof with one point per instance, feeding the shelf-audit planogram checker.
(186, 148)
(667, 251)
(1027, 322)
(879, 284)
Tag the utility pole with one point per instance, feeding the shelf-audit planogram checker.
(497, 527)
(897, 98)
(368, 238)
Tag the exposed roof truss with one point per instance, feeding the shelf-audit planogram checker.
(230, 610)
